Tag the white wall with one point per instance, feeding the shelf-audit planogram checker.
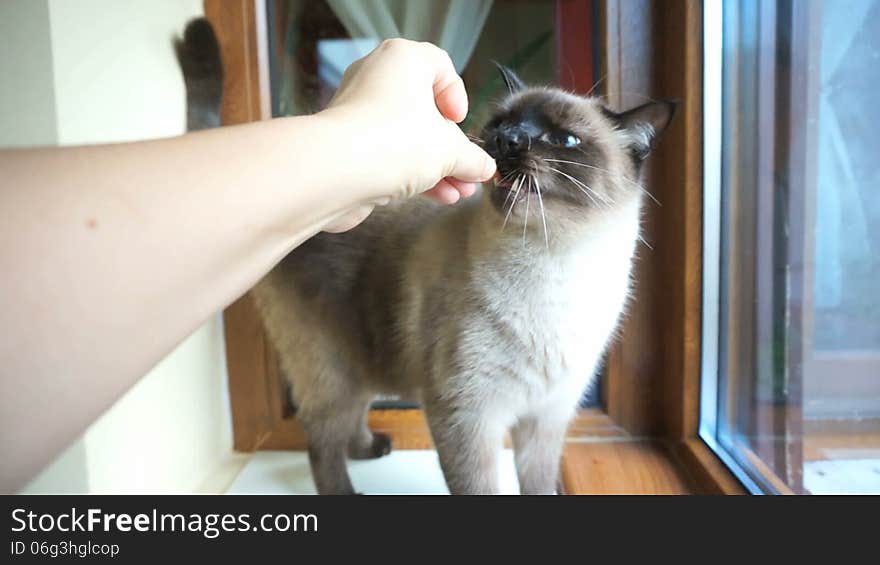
(27, 97)
(171, 432)
(116, 79)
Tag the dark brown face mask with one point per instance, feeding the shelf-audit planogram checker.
(563, 146)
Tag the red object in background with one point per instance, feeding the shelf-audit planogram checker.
(574, 44)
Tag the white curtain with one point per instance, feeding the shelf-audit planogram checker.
(454, 25)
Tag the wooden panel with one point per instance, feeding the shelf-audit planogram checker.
(654, 50)
(766, 471)
(852, 445)
(681, 181)
(246, 353)
(409, 429)
(240, 29)
(705, 471)
(574, 47)
(653, 371)
(622, 467)
(633, 391)
(240, 26)
(594, 424)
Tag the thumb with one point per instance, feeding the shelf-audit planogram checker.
(348, 219)
(471, 163)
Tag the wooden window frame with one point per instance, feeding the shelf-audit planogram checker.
(654, 370)
(653, 373)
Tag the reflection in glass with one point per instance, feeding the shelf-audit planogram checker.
(799, 341)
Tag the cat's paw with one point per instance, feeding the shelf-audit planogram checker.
(379, 446)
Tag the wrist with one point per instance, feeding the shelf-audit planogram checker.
(365, 164)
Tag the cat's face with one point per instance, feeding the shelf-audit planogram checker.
(563, 155)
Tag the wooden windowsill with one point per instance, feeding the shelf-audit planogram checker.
(618, 463)
(621, 466)
(600, 457)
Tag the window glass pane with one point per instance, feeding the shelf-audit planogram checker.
(798, 403)
(847, 229)
(314, 41)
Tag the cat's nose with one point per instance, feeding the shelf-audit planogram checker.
(510, 141)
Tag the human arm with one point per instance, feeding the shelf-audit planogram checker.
(114, 254)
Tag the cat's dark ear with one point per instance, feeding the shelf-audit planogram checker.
(513, 82)
(644, 124)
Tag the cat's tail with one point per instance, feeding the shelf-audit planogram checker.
(199, 56)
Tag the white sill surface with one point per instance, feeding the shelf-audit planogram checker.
(843, 476)
(405, 471)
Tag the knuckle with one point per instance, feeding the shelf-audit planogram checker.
(393, 43)
(447, 58)
(443, 54)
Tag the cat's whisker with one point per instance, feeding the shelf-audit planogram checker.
(503, 179)
(506, 177)
(580, 164)
(648, 245)
(596, 194)
(510, 194)
(503, 206)
(543, 217)
(595, 86)
(649, 195)
(526, 222)
(635, 184)
(577, 184)
(514, 190)
(643, 97)
(602, 197)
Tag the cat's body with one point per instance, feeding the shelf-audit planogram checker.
(441, 306)
(493, 313)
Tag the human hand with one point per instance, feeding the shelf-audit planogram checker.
(399, 106)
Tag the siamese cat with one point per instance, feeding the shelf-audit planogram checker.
(493, 313)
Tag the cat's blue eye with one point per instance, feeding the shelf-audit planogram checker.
(567, 140)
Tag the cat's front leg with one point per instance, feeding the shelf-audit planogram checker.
(537, 441)
(468, 445)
